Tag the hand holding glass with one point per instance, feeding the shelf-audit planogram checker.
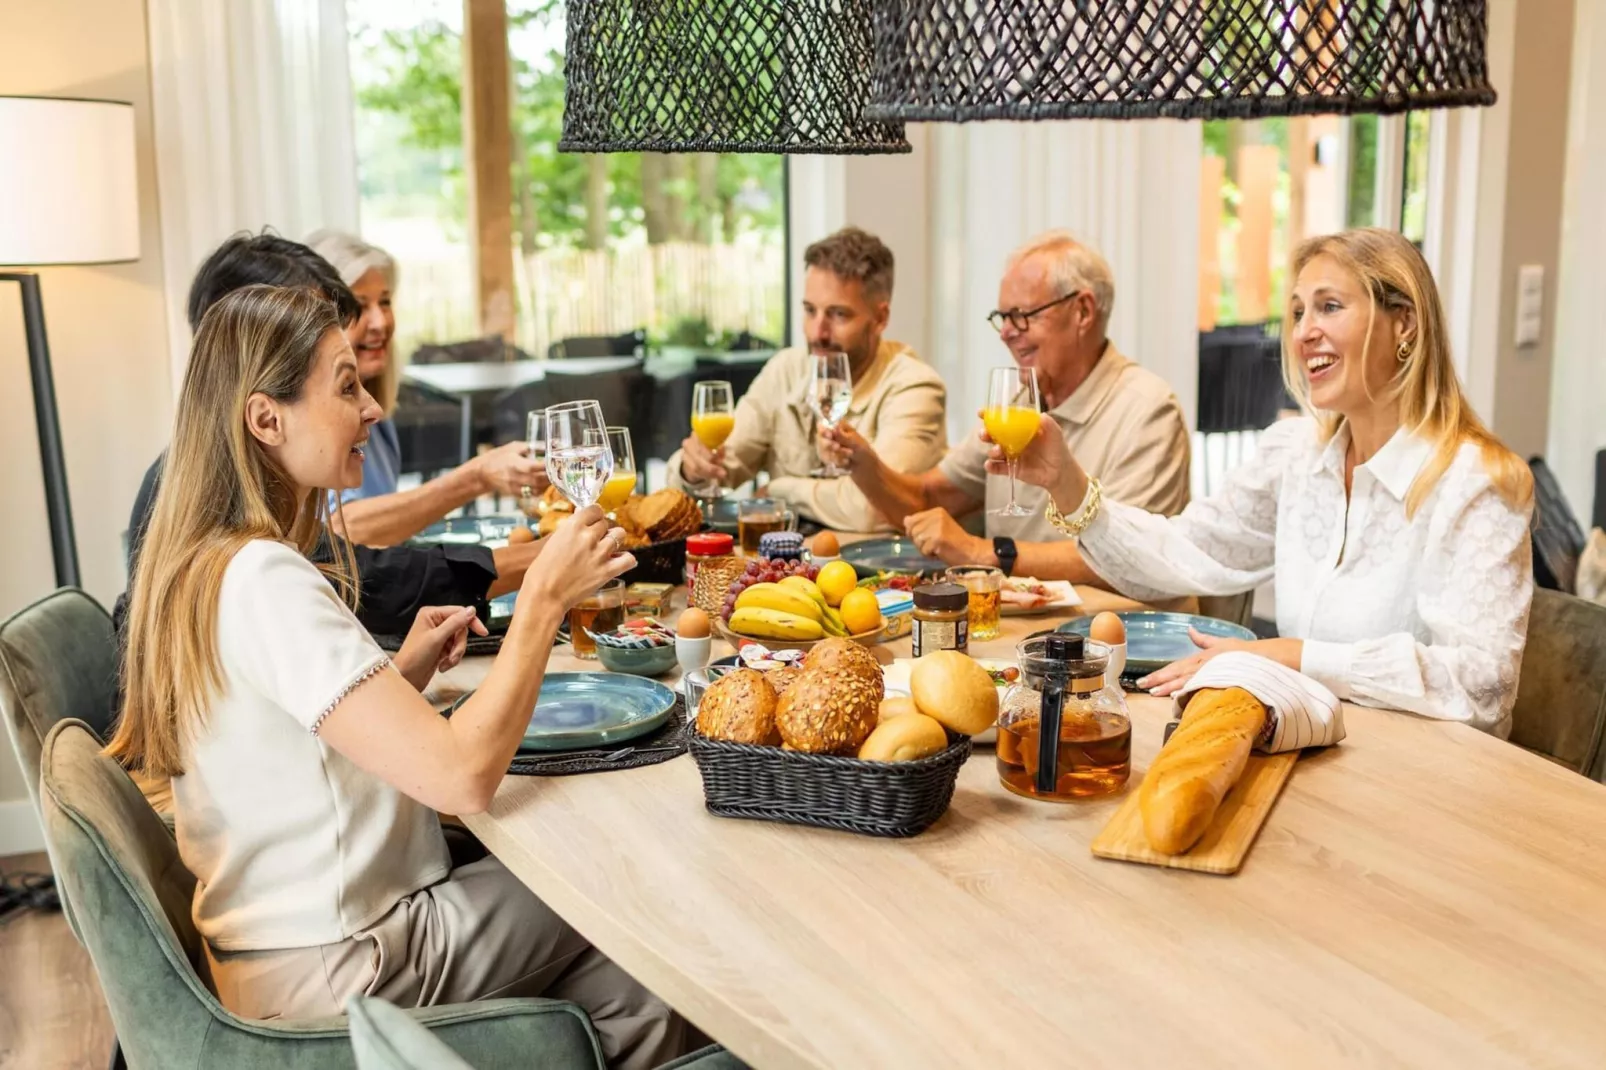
(713, 418)
(578, 460)
(1011, 418)
(830, 393)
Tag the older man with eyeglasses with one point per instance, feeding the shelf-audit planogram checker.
(1053, 307)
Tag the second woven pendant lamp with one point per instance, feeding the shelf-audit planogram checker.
(786, 76)
(962, 60)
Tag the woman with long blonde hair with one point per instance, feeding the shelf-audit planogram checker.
(1394, 524)
(377, 512)
(306, 766)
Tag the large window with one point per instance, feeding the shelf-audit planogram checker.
(690, 247)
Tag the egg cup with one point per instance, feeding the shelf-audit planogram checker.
(693, 653)
(1116, 666)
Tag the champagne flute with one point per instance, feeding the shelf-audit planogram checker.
(713, 418)
(579, 464)
(622, 484)
(1011, 418)
(830, 391)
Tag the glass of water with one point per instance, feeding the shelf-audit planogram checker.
(578, 459)
(830, 393)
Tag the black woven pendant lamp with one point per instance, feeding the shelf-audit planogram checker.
(785, 76)
(963, 60)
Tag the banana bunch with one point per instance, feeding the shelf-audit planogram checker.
(830, 619)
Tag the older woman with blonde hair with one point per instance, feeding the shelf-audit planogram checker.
(377, 513)
(1394, 524)
(307, 767)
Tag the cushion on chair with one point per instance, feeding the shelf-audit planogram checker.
(119, 871)
(383, 1037)
(713, 1057)
(1561, 695)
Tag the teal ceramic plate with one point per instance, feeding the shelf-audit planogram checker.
(1155, 640)
(721, 514)
(576, 710)
(468, 530)
(892, 553)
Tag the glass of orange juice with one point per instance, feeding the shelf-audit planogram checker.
(1011, 418)
(713, 418)
(617, 490)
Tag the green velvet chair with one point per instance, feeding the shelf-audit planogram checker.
(128, 897)
(58, 659)
(1560, 711)
(385, 1037)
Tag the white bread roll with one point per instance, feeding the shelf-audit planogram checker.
(903, 739)
(1196, 768)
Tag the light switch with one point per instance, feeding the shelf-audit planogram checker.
(1530, 304)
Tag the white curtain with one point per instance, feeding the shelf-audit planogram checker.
(253, 117)
(1128, 189)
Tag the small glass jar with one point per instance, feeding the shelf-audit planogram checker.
(1063, 679)
(941, 618)
(985, 585)
(711, 567)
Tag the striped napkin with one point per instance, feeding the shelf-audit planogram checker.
(1299, 711)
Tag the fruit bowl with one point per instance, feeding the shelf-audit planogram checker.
(735, 639)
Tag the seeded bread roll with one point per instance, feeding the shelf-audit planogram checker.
(846, 656)
(739, 707)
(827, 711)
(1196, 768)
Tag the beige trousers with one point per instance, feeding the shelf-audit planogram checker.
(479, 934)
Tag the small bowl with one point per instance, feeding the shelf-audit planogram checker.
(637, 661)
(693, 653)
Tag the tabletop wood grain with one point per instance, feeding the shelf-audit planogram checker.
(1421, 895)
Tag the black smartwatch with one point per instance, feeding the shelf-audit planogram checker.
(1004, 550)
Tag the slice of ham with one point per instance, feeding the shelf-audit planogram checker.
(1025, 599)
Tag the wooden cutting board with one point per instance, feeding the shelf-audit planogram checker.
(1225, 843)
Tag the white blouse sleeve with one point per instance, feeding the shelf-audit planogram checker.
(1476, 586)
(284, 632)
(1223, 544)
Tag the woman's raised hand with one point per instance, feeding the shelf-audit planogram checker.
(580, 556)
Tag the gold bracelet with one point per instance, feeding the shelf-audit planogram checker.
(1084, 516)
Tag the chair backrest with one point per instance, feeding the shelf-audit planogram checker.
(1561, 697)
(431, 428)
(493, 348)
(58, 660)
(1557, 538)
(626, 397)
(383, 1037)
(630, 344)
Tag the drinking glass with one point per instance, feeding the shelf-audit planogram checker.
(985, 584)
(535, 422)
(757, 517)
(603, 612)
(1011, 418)
(578, 460)
(830, 391)
(622, 484)
(713, 418)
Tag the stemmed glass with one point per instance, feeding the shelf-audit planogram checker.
(1011, 418)
(713, 418)
(622, 483)
(830, 391)
(578, 460)
(535, 434)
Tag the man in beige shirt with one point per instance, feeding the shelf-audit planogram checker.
(1053, 306)
(898, 401)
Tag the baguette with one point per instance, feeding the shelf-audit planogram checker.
(1196, 768)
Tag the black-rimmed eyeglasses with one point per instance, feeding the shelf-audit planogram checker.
(1022, 321)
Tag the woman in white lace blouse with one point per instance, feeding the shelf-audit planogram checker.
(1393, 523)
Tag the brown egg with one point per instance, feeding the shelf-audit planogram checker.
(520, 534)
(826, 545)
(693, 624)
(1107, 628)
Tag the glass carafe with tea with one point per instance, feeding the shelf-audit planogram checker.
(1063, 734)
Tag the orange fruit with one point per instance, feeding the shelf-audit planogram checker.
(836, 580)
(860, 611)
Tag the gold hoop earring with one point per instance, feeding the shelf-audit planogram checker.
(1403, 353)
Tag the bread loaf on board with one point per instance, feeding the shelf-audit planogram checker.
(1196, 768)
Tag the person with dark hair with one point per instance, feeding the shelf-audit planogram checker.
(394, 583)
(898, 400)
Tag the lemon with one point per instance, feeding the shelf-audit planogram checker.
(860, 612)
(836, 580)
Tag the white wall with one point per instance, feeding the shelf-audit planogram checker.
(108, 340)
(1578, 386)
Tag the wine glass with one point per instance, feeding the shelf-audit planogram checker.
(535, 434)
(1011, 418)
(622, 484)
(713, 418)
(830, 391)
(578, 460)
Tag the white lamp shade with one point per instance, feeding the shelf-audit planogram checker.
(69, 192)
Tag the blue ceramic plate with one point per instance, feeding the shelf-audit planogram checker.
(893, 553)
(576, 710)
(468, 530)
(1155, 640)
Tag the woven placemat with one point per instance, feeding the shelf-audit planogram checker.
(667, 741)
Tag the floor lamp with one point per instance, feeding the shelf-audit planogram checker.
(69, 194)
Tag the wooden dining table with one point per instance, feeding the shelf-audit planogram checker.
(1422, 894)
